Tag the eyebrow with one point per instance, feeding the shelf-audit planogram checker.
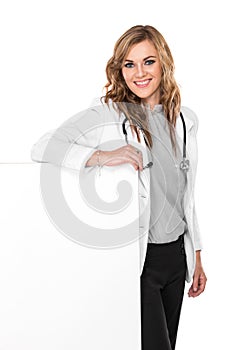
(144, 59)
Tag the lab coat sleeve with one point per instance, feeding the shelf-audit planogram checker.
(196, 229)
(197, 235)
(71, 144)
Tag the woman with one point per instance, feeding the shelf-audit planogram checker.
(142, 71)
(142, 88)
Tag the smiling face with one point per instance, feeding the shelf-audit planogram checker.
(142, 72)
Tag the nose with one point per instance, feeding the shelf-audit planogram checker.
(140, 72)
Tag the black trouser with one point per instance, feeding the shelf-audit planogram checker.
(162, 290)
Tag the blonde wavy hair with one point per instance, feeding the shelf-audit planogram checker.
(130, 104)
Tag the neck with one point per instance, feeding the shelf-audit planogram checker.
(151, 105)
(152, 101)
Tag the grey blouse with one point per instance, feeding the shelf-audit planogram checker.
(168, 182)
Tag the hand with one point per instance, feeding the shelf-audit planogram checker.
(125, 154)
(199, 279)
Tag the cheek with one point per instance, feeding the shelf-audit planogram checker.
(126, 75)
(156, 71)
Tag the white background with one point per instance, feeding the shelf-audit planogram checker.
(53, 58)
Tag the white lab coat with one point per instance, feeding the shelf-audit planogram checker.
(104, 127)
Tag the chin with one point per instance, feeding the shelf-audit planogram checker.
(143, 95)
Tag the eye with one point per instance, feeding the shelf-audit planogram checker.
(148, 62)
(129, 65)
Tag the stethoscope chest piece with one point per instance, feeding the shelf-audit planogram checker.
(184, 164)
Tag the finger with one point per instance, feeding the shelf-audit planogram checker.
(202, 282)
(120, 159)
(197, 293)
(134, 162)
(201, 288)
(193, 294)
(137, 157)
(135, 150)
(190, 291)
(195, 282)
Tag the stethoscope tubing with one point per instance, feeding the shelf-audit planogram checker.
(184, 165)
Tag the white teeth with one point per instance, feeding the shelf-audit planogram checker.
(142, 83)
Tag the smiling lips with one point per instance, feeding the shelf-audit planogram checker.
(142, 83)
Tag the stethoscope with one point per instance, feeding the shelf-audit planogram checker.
(184, 164)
